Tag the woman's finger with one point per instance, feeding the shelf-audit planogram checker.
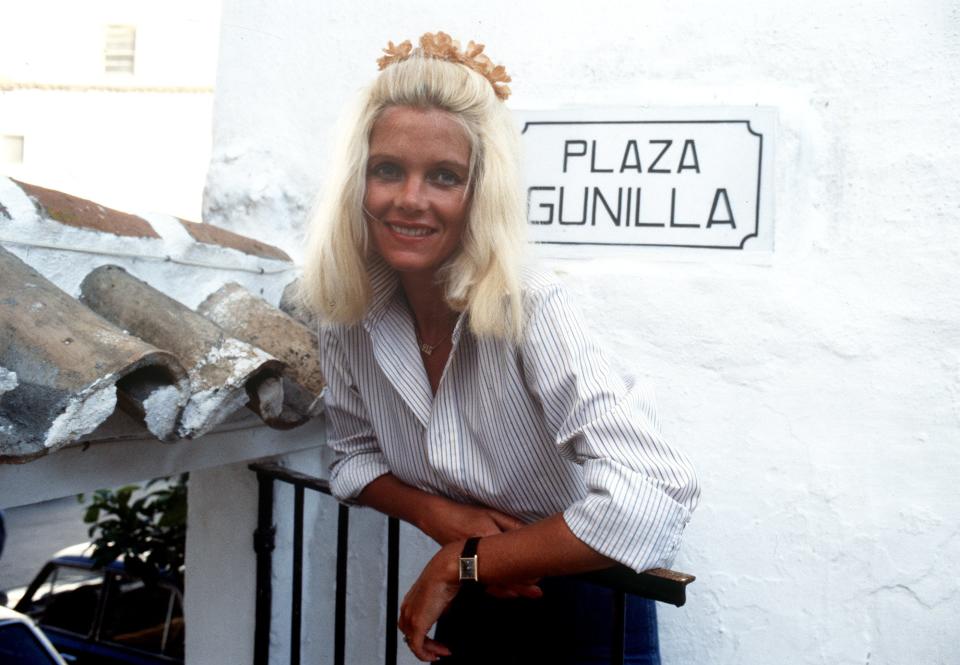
(435, 649)
(425, 648)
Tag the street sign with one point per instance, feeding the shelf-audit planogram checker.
(658, 177)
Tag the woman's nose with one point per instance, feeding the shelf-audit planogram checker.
(410, 196)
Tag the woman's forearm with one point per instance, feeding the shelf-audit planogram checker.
(391, 496)
(442, 519)
(514, 559)
(544, 548)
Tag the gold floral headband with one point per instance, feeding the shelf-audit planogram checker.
(441, 46)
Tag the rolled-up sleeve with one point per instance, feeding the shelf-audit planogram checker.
(641, 490)
(358, 460)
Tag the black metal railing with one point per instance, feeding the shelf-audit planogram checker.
(659, 584)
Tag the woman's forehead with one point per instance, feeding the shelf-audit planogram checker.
(406, 128)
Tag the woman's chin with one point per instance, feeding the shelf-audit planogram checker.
(410, 262)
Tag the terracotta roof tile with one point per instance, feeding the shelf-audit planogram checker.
(65, 366)
(224, 372)
(65, 369)
(214, 235)
(250, 318)
(84, 214)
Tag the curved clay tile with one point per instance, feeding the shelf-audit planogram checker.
(214, 235)
(84, 214)
(254, 320)
(225, 373)
(65, 368)
(292, 304)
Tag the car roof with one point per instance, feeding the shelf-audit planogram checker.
(80, 555)
(8, 617)
(7, 614)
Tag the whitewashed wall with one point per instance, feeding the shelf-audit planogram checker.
(143, 149)
(818, 389)
(133, 151)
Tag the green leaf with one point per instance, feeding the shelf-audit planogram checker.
(149, 531)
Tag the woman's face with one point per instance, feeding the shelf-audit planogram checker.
(416, 200)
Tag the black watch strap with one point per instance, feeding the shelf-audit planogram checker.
(468, 562)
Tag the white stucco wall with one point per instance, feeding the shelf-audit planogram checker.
(817, 389)
(133, 141)
(58, 42)
(133, 151)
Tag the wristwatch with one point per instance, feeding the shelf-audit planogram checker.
(468, 562)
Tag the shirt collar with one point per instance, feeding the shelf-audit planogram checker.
(384, 287)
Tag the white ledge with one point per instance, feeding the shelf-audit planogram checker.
(126, 455)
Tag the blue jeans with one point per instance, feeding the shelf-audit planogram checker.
(570, 625)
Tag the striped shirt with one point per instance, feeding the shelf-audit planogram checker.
(530, 429)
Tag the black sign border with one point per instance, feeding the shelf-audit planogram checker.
(755, 234)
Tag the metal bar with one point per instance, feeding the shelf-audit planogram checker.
(297, 600)
(618, 627)
(667, 586)
(296, 478)
(658, 584)
(393, 588)
(340, 613)
(263, 543)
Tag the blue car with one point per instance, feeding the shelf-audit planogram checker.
(105, 616)
(22, 643)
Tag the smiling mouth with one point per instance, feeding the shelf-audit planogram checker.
(409, 231)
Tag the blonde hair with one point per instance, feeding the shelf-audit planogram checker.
(483, 278)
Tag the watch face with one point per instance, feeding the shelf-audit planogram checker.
(468, 568)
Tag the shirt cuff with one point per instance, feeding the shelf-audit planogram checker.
(631, 521)
(350, 475)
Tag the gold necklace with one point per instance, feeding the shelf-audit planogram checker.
(428, 349)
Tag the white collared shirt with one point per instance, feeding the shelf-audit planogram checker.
(534, 429)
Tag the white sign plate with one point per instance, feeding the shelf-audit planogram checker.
(658, 177)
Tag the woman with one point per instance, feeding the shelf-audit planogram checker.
(464, 395)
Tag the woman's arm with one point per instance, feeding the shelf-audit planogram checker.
(516, 557)
(358, 459)
(640, 490)
(442, 519)
(361, 474)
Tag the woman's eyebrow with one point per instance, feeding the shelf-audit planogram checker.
(443, 163)
(453, 164)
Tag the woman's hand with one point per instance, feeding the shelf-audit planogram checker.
(433, 592)
(447, 521)
(427, 599)
(442, 519)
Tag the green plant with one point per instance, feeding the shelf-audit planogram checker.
(147, 528)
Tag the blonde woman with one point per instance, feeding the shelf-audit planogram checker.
(465, 395)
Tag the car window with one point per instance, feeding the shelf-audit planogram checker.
(143, 616)
(19, 645)
(66, 599)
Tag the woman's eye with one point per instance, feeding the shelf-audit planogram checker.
(446, 178)
(387, 171)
